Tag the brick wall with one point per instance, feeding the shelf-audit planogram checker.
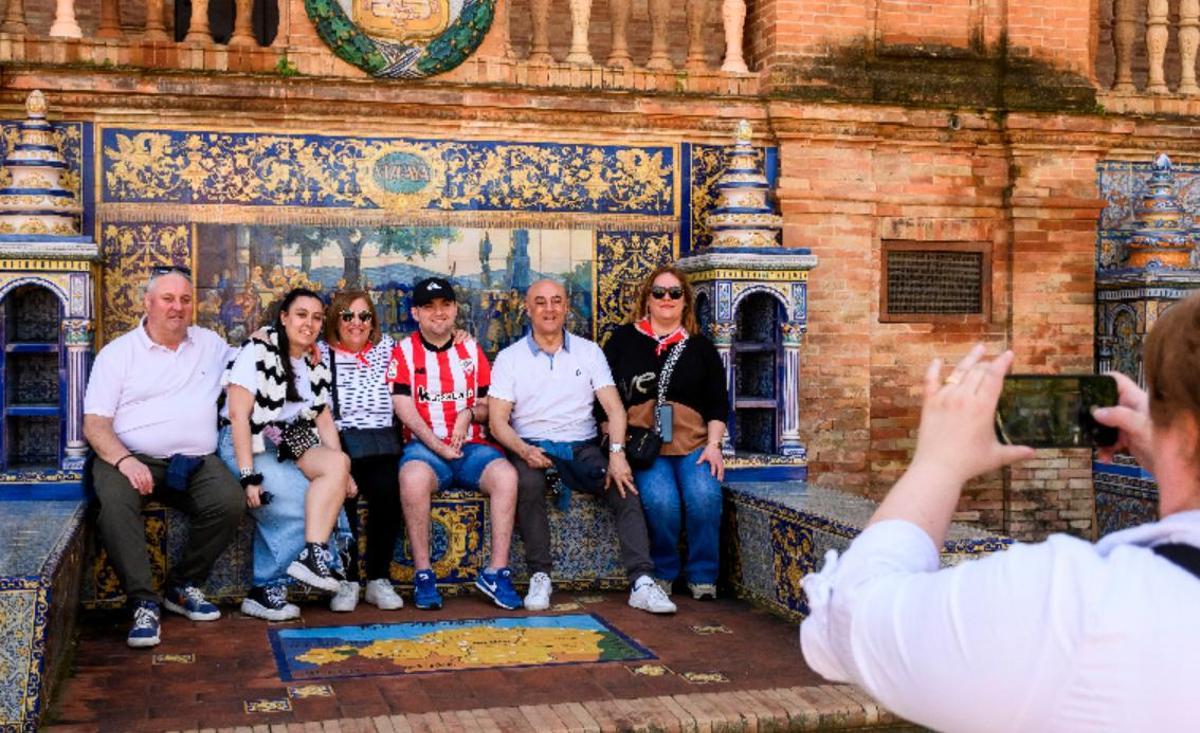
(874, 174)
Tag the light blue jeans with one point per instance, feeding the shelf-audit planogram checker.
(279, 525)
(677, 493)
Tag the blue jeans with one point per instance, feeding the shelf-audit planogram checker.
(279, 525)
(676, 492)
(463, 472)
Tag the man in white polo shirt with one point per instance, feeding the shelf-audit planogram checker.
(540, 409)
(150, 414)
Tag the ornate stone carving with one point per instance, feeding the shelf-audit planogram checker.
(539, 48)
(156, 30)
(660, 20)
(1189, 39)
(743, 217)
(65, 25)
(110, 19)
(14, 18)
(618, 11)
(1124, 31)
(697, 16)
(1156, 45)
(198, 30)
(1162, 235)
(733, 15)
(36, 201)
(243, 25)
(581, 15)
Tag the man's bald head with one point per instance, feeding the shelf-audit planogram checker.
(546, 303)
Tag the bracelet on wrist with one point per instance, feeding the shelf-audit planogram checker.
(117, 465)
(251, 479)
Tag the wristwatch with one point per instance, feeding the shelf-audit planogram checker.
(616, 447)
(245, 472)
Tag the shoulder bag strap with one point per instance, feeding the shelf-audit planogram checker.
(664, 379)
(1185, 556)
(333, 387)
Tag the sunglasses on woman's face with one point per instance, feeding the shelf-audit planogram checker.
(658, 293)
(363, 316)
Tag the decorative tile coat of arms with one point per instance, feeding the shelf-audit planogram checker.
(408, 39)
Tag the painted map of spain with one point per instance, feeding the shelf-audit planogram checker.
(380, 649)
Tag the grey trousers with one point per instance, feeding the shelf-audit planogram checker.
(534, 522)
(214, 502)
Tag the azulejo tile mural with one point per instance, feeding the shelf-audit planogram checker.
(255, 215)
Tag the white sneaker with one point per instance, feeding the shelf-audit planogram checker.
(381, 594)
(538, 597)
(346, 598)
(647, 596)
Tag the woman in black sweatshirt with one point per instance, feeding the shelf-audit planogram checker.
(683, 485)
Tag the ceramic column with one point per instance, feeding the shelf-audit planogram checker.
(722, 335)
(77, 337)
(733, 16)
(539, 48)
(14, 18)
(198, 30)
(156, 30)
(1124, 30)
(789, 407)
(65, 25)
(697, 15)
(581, 18)
(1156, 45)
(1189, 39)
(110, 20)
(618, 11)
(243, 25)
(660, 20)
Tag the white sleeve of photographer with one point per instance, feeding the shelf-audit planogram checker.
(982, 646)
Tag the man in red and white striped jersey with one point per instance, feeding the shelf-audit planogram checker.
(437, 391)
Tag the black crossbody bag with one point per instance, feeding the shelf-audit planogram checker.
(362, 442)
(1185, 556)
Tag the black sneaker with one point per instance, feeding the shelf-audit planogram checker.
(312, 567)
(270, 603)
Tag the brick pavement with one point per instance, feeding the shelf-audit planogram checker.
(744, 673)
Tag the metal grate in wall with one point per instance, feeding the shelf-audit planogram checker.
(934, 282)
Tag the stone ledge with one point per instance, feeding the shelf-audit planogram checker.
(824, 707)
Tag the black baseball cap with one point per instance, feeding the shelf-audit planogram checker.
(430, 288)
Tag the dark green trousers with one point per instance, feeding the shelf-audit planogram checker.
(214, 502)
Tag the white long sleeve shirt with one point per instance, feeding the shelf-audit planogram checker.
(1059, 636)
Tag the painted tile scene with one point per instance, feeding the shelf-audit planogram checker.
(735, 479)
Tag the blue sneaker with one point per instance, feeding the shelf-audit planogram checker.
(425, 592)
(188, 600)
(498, 586)
(144, 631)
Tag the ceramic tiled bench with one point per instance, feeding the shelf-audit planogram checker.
(783, 530)
(41, 561)
(586, 555)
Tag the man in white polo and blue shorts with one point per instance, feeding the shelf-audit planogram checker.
(437, 390)
(541, 402)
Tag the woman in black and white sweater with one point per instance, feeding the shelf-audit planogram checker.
(682, 488)
(281, 440)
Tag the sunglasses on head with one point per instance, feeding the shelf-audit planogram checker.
(363, 316)
(658, 293)
(167, 269)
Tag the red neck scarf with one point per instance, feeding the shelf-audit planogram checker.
(664, 342)
(360, 356)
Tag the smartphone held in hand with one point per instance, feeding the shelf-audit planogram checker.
(1055, 411)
